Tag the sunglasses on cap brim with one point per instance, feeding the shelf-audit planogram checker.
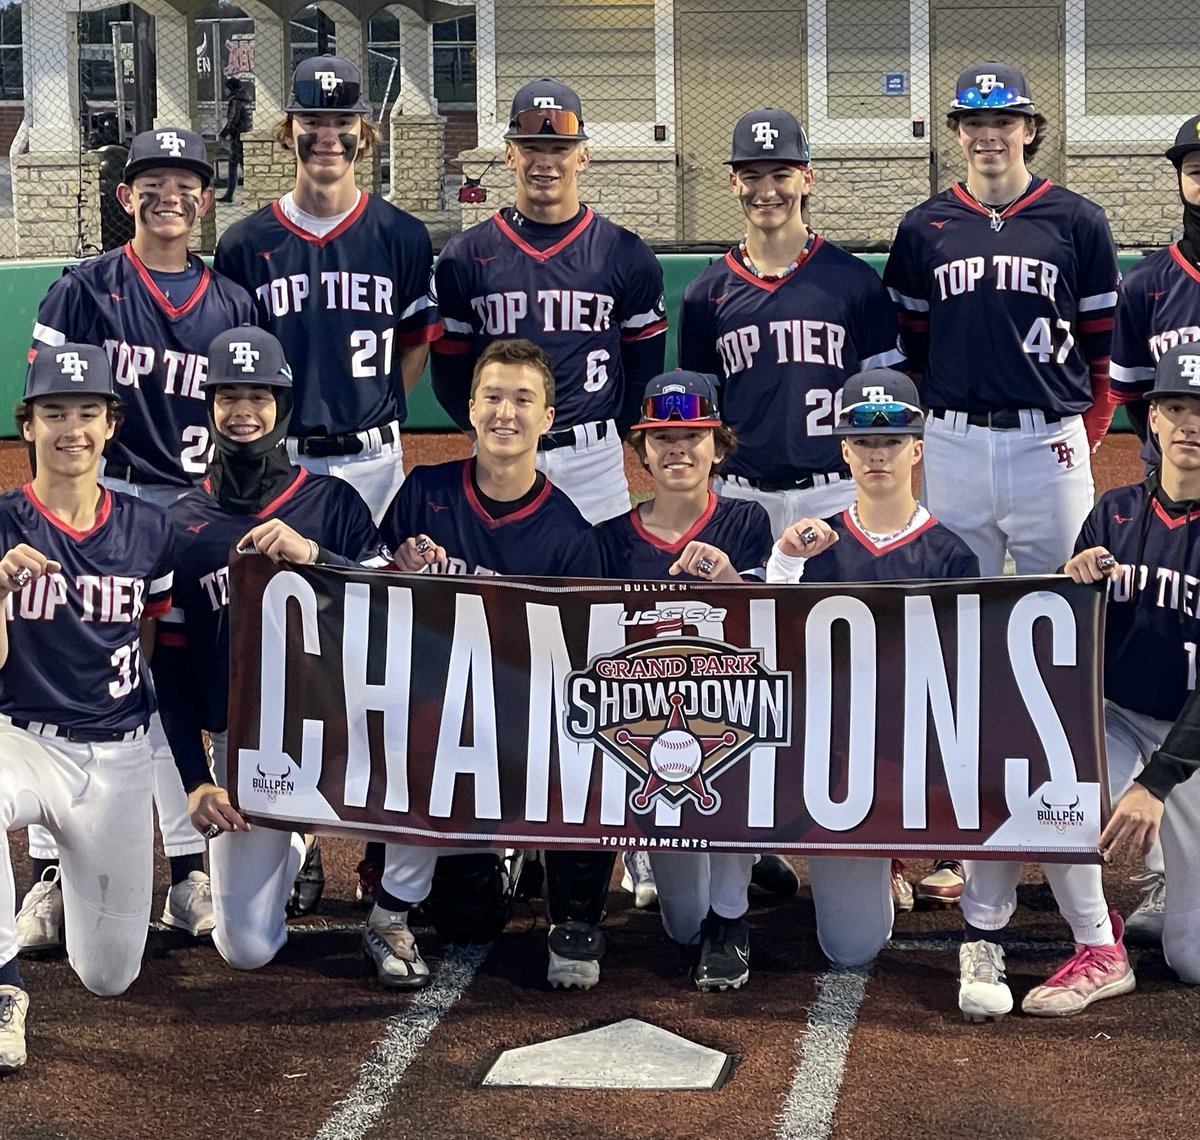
(897, 416)
(313, 97)
(996, 99)
(550, 121)
(679, 407)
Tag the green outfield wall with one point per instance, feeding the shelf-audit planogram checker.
(22, 285)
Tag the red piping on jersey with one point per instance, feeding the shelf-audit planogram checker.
(284, 495)
(479, 509)
(770, 284)
(450, 345)
(324, 239)
(101, 515)
(543, 254)
(175, 640)
(423, 335)
(158, 609)
(1183, 262)
(674, 547)
(887, 548)
(157, 295)
(964, 196)
(1167, 521)
(646, 333)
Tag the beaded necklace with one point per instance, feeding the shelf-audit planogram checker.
(783, 272)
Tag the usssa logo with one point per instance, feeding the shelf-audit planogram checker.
(676, 713)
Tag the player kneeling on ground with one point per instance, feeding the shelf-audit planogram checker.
(687, 532)
(493, 514)
(1137, 538)
(251, 496)
(885, 535)
(82, 570)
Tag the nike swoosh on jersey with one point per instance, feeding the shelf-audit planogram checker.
(485, 260)
(719, 298)
(1122, 518)
(116, 296)
(435, 507)
(1154, 296)
(197, 528)
(943, 222)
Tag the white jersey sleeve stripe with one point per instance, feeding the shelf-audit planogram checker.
(162, 585)
(173, 616)
(1138, 374)
(453, 326)
(425, 302)
(912, 304)
(47, 335)
(1097, 301)
(893, 358)
(641, 320)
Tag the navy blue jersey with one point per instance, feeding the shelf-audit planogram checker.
(548, 538)
(738, 527)
(343, 306)
(1021, 318)
(158, 352)
(597, 289)
(785, 346)
(75, 657)
(929, 550)
(327, 510)
(1152, 624)
(1158, 308)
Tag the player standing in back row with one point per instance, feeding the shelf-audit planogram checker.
(586, 291)
(785, 318)
(341, 278)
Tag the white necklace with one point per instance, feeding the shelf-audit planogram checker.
(884, 539)
(994, 212)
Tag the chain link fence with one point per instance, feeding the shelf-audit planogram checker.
(662, 82)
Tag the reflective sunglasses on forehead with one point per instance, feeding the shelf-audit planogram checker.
(312, 96)
(679, 406)
(546, 121)
(996, 98)
(891, 415)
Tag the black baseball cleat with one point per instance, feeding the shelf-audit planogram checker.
(575, 952)
(773, 875)
(310, 882)
(724, 954)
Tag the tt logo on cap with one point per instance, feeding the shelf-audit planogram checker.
(765, 135)
(330, 81)
(169, 140)
(243, 355)
(547, 103)
(1189, 368)
(75, 366)
(876, 396)
(986, 83)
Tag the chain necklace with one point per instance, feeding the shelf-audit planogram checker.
(884, 539)
(994, 212)
(783, 272)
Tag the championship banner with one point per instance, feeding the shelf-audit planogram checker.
(955, 718)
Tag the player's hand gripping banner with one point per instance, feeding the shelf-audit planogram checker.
(960, 717)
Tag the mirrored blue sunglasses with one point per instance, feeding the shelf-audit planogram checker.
(998, 97)
(900, 417)
(679, 406)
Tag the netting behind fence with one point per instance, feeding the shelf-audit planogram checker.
(662, 82)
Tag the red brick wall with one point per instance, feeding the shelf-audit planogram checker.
(10, 119)
(461, 133)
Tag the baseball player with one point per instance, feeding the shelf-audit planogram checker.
(884, 535)
(687, 532)
(495, 514)
(1158, 305)
(1148, 532)
(83, 570)
(784, 318)
(342, 278)
(253, 497)
(1006, 285)
(153, 307)
(584, 289)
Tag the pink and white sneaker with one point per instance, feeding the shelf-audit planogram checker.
(1090, 974)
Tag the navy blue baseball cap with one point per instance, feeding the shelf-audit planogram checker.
(1187, 139)
(992, 86)
(1177, 372)
(880, 401)
(546, 109)
(327, 84)
(769, 135)
(246, 355)
(680, 399)
(69, 369)
(168, 146)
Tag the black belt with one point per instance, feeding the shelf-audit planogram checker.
(78, 735)
(803, 483)
(1003, 420)
(565, 437)
(350, 443)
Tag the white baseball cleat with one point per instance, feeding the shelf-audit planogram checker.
(983, 993)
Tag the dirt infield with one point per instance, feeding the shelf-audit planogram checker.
(310, 1046)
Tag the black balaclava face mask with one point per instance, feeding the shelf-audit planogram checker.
(245, 477)
(1189, 245)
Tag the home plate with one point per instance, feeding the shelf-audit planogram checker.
(627, 1055)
